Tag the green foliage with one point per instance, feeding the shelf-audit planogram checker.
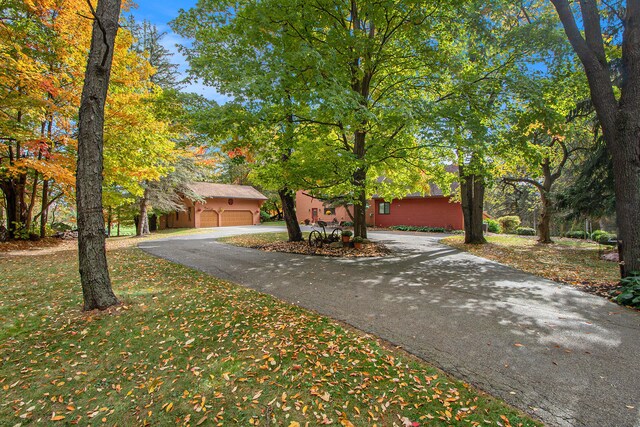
(61, 226)
(418, 228)
(493, 226)
(606, 239)
(603, 237)
(525, 231)
(347, 233)
(347, 224)
(629, 290)
(264, 216)
(358, 239)
(509, 224)
(577, 234)
(595, 236)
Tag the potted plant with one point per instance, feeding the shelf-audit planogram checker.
(357, 242)
(346, 236)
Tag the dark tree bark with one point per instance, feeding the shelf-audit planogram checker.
(94, 273)
(359, 183)
(472, 187)
(153, 223)
(290, 217)
(620, 120)
(109, 220)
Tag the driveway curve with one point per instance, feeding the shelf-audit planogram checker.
(566, 357)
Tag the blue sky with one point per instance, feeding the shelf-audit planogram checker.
(160, 13)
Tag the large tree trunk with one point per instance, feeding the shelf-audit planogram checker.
(472, 194)
(94, 273)
(11, 207)
(290, 216)
(360, 182)
(544, 226)
(620, 120)
(44, 213)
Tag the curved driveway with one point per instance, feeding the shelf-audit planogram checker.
(567, 357)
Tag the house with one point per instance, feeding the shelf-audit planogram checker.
(434, 210)
(223, 205)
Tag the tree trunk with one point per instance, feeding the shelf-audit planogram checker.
(153, 222)
(544, 226)
(290, 217)
(94, 272)
(620, 120)
(11, 207)
(143, 222)
(44, 214)
(360, 182)
(32, 202)
(109, 220)
(360, 214)
(627, 189)
(472, 194)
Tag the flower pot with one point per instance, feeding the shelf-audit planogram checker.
(346, 239)
(357, 245)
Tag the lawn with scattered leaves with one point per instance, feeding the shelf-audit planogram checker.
(187, 349)
(571, 261)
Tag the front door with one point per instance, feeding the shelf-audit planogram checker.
(314, 215)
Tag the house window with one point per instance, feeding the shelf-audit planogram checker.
(329, 211)
(384, 208)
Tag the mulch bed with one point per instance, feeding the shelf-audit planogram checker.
(303, 248)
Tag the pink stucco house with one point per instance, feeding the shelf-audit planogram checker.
(223, 205)
(435, 210)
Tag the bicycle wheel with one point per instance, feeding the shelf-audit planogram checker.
(315, 239)
(336, 235)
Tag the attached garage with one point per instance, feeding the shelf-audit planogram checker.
(218, 205)
(236, 217)
(209, 218)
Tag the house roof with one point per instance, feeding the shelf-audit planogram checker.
(210, 190)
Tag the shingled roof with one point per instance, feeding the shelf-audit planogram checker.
(210, 190)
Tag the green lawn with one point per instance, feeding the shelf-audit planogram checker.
(274, 223)
(188, 349)
(572, 261)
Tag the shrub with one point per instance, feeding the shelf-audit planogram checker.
(606, 239)
(493, 226)
(347, 233)
(347, 223)
(595, 236)
(525, 231)
(61, 226)
(576, 234)
(264, 216)
(629, 290)
(509, 224)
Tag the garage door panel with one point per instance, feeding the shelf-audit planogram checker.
(231, 217)
(208, 219)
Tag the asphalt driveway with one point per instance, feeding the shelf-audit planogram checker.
(567, 357)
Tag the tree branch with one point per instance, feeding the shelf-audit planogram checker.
(105, 56)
